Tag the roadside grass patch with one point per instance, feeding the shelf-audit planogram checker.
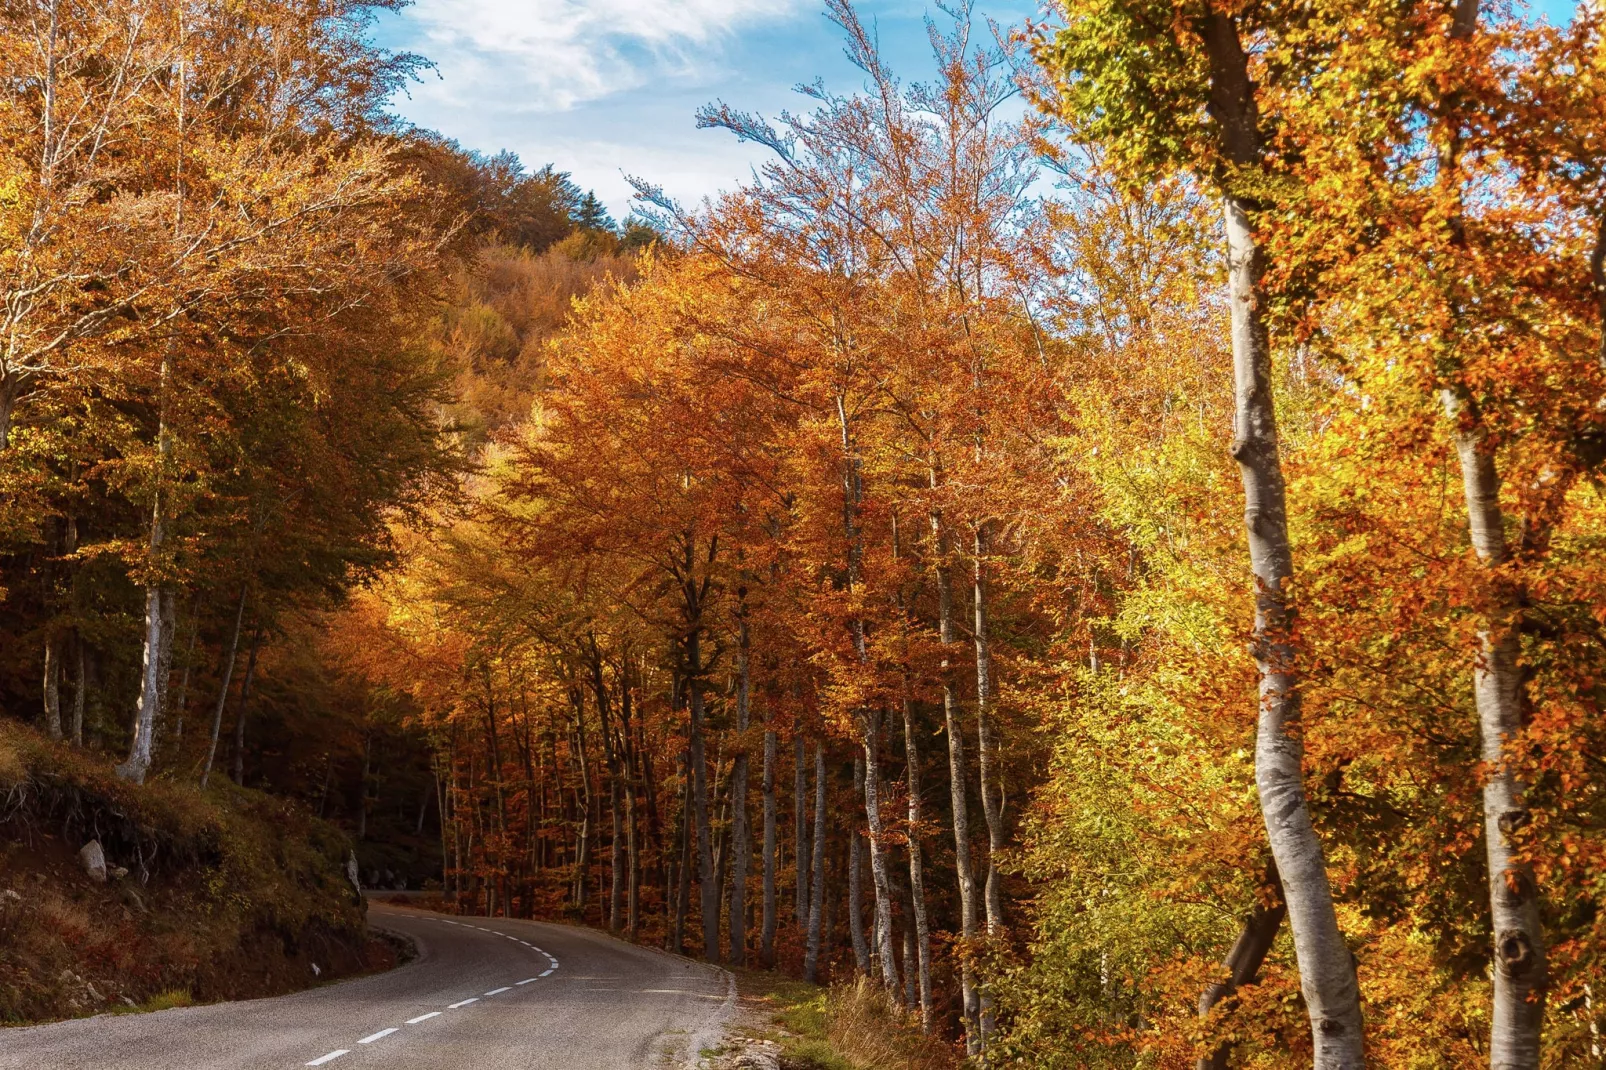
(846, 1027)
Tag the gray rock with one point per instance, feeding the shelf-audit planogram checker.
(93, 859)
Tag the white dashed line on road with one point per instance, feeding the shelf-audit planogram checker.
(464, 1003)
(381, 1035)
(498, 991)
(320, 1060)
(527, 980)
(423, 1017)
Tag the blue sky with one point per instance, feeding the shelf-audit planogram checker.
(602, 87)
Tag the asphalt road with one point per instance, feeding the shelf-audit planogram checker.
(483, 994)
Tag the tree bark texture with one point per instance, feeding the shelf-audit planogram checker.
(1519, 965)
(1326, 966)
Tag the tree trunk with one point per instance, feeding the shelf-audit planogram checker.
(970, 1003)
(80, 690)
(917, 872)
(767, 939)
(992, 790)
(861, 947)
(800, 828)
(879, 876)
(245, 708)
(1244, 959)
(811, 958)
(152, 685)
(52, 685)
(164, 667)
(708, 886)
(223, 687)
(741, 834)
(1326, 966)
(616, 859)
(9, 387)
(1519, 967)
(683, 879)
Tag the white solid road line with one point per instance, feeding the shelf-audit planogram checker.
(498, 991)
(381, 1035)
(320, 1060)
(466, 1002)
(423, 1017)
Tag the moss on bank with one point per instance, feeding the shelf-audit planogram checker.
(228, 894)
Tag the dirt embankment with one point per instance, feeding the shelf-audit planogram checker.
(229, 894)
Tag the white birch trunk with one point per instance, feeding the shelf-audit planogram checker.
(970, 1003)
(1519, 966)
(992, 790)
(917, 871)
(1326, 966)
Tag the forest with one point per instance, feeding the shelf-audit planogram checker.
(1100, 539)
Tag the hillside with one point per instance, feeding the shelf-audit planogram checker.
(227, 894)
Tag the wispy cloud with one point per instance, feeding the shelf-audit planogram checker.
(550, 55)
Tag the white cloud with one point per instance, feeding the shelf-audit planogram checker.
(550, 55)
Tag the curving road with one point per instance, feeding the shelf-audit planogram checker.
(483, 994)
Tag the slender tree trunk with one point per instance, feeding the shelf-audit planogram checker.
(970, 1002)
(633, 860)
(80, 690)
(152, 685)
(767, 940)
(1519, 966)
(223, 687)
(1326, 966)
(708, 886)
(917, 872)
(741, 832)
(164, 668)
(683, 881)
(992, 789)
(1244, 959)
(879, 855)
(811, 959)
(861, 947)
(245, 708)
(800, 824)
(52, 685)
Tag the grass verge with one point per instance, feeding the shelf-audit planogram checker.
(846, 1027)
